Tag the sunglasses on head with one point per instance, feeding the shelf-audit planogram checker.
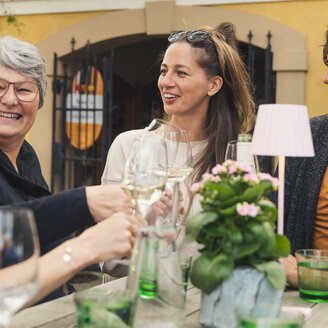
(191, 36)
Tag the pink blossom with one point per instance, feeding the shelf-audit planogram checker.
(252, 210)
(216, 178)
(275, 182)
(245, 167)
(242, 209)
(207, 176)
(195, 187)
(266, 176)
(250, 177)
(232, 169)
(246, 209)
(217, 169)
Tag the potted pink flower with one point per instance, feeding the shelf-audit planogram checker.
(239, 261)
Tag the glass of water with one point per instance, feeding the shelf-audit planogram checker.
(100, 308)
(19, 254)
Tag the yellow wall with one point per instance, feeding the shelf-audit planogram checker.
(35, 28)
(309, 17)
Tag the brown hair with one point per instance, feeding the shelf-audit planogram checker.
(325, 50)
(231, 109)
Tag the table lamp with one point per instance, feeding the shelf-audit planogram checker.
(282, 130)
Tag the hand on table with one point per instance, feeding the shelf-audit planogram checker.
(289, 265)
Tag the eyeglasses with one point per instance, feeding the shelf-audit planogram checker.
(191, 36)
(24, 91)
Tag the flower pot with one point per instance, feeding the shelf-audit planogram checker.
(244, 289)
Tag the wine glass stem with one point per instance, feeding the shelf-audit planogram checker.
(176, 203)
(5, 318)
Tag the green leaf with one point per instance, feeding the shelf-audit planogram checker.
(228, 211)
(269, 209)
(256, 229)
(248, 247)
(268, 241)
(235, 235)
(224, 191)
(282, 246)
(238, 186)
(196, 222)
(231, 201)
(274, 272)
(214, 229)
(254, 193)
(208, 273)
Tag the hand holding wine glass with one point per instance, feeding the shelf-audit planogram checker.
(19, 254)
(145, 172)
(179, 162)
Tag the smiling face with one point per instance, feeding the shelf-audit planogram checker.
(185, 89)
(16, 117)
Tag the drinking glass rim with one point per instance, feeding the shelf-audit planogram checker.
(312, 253)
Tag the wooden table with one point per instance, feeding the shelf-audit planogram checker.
(60, 313)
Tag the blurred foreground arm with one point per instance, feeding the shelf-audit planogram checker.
(112, 238)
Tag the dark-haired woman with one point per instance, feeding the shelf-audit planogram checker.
(205, 90)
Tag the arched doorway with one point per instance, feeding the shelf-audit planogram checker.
(128, 68)
(159, 19)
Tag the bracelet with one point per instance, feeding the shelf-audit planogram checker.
(67, 257)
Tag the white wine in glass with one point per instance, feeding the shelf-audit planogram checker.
(19, 254)
(179, 174)
(145, 172)
(181, 165)
(179, 162)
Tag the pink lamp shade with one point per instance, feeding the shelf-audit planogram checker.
(282, 130)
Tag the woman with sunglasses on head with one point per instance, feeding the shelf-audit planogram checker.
(23, 84)
(205, 90)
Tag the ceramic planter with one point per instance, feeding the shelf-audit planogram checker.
(246, 288)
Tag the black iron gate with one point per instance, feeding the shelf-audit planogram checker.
(83, 103)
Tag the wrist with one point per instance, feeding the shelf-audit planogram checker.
(75, 253)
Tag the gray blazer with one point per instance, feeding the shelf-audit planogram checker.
(303, 177)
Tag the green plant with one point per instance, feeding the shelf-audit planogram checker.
(236, 226)
(11, 19)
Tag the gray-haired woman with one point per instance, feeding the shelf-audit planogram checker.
(23, 84)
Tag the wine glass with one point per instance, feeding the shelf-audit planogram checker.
(144, 178)
(145, 173)
(231, 151)
(241, 152)
(179, 161)
(19, 254)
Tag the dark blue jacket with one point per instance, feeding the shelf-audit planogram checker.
(56, 215)
(303, 178)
